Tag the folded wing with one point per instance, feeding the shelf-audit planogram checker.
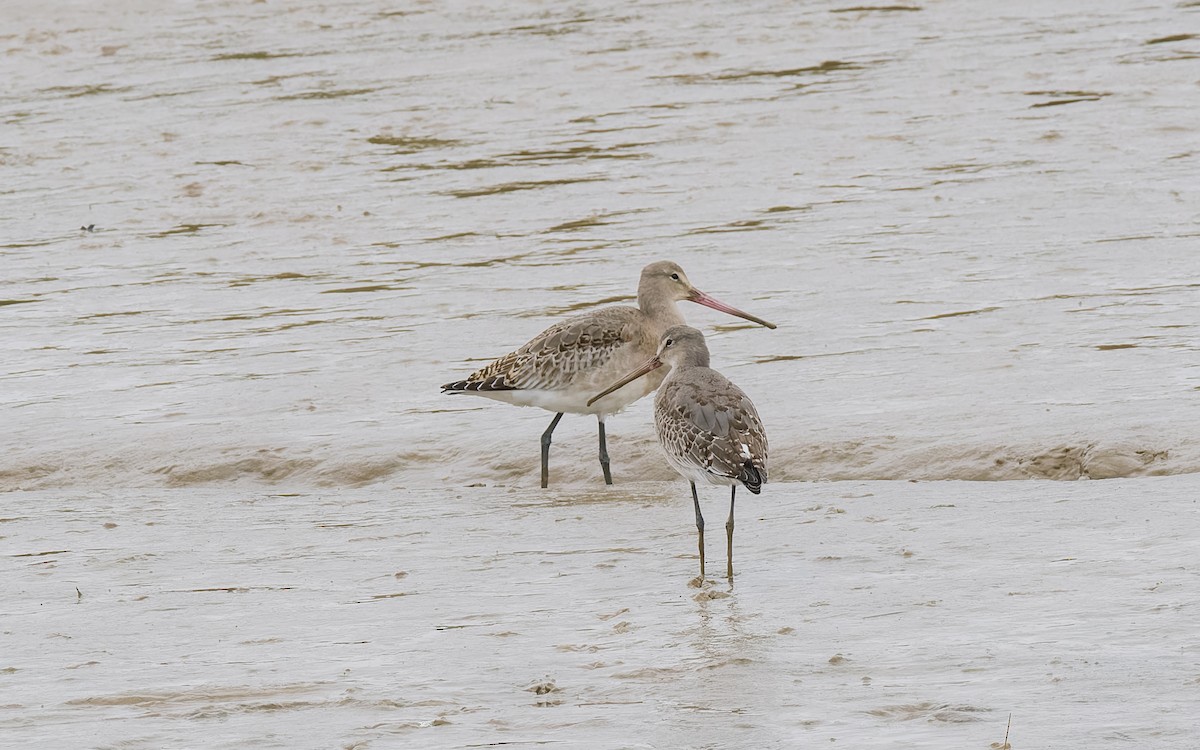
(556, 357)
(710, 424)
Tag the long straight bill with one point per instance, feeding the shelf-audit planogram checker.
(700, 298)
(651, 364)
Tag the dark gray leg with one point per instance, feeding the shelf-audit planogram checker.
(729, 532)
(604, 456)
(546, 450)
(699, 527)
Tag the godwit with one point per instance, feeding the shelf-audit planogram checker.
(708, 427)
(565, 364)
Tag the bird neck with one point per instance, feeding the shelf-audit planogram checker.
(662, 311)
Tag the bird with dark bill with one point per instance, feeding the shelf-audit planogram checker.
(707, 426)
(565, 364)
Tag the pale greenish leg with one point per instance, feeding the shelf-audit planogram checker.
(729, 532)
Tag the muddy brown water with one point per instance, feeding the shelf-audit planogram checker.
(242, 243)
(974, 226)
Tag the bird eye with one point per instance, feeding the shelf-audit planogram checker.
(669, 342)
(675, 276)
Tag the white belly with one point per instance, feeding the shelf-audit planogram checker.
(694, 473)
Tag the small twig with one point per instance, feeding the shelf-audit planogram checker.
(1004, 745)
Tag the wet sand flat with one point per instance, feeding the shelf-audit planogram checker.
(864, 614)
(241, 244)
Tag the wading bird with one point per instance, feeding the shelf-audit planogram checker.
(565, 364)
(707, 426)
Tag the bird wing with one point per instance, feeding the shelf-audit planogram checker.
(712, 424)
(553, 358)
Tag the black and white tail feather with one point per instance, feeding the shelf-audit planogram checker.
(751, 476)
(492, 383)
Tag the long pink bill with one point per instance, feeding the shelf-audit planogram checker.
(700, 298)
(651, 364)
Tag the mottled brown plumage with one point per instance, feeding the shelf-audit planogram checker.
(708, 427)
(568, 362)
(574, 350)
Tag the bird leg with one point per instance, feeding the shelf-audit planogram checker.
(729, 532)
(604, 456)
(546, 450)
(699, 527)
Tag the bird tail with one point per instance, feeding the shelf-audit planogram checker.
(495, 383)
(752, 476)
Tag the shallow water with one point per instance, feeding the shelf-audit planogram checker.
(248, 517)
(974, 225)
(870, 614)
